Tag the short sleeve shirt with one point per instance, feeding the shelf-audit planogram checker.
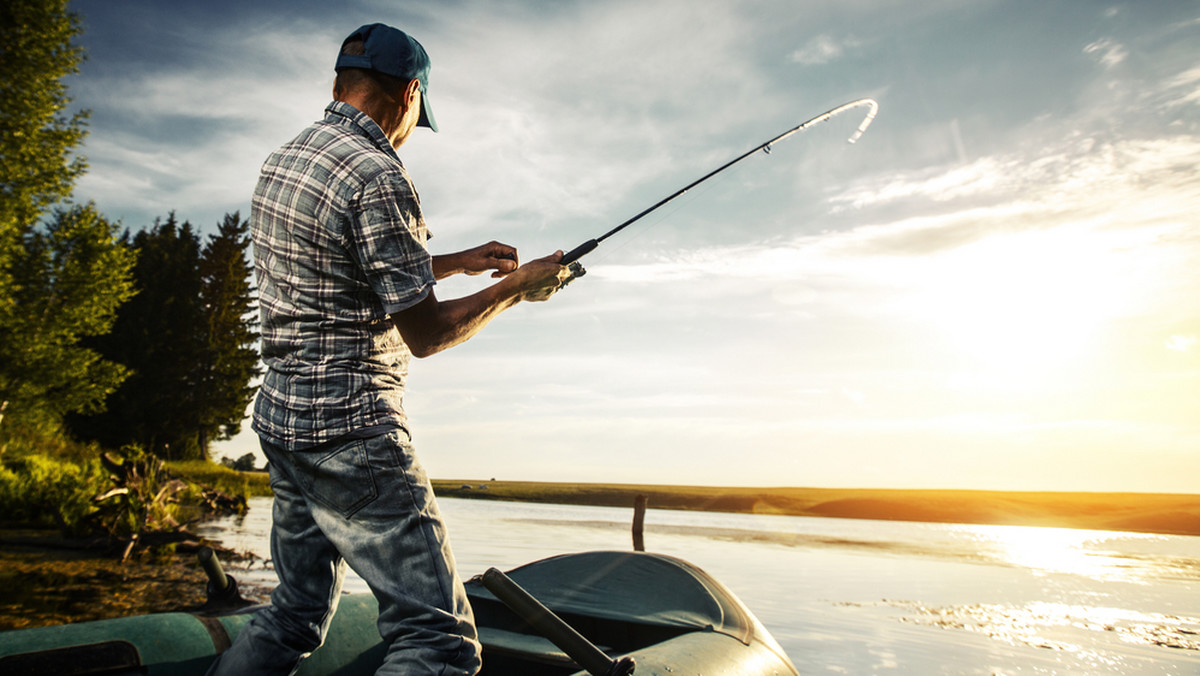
(339, 244)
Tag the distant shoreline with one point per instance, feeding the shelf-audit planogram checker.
(1163, 513)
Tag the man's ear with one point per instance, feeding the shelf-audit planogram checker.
(411, 90)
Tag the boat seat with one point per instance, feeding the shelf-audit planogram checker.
(526, 646)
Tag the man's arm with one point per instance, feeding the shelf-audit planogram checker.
(431, 325)
(501, 258)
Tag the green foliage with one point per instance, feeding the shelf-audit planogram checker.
(231, 357)
(157, 335)
(222, 478)
(143, 497)
(44, 491)
(70, 278)
(37, 168)
(59, 281)
(69, 331)
(19, 439)
(47, 480)
(188, 336)
(242, 464)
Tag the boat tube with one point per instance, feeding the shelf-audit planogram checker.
(662, 613)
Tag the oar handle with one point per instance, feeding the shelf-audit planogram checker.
(541, 618)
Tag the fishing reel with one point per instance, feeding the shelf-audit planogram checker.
(577, 271)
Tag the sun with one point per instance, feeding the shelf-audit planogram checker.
(1026, 309)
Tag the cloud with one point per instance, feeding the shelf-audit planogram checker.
(1078, 174)
(985, 176)
(823, 49)
(190, 135)
(1185, 86)
(1180, 343)
(1108, 52)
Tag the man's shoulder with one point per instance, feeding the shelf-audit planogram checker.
(336, 151)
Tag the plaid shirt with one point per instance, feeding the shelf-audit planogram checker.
(339, 243)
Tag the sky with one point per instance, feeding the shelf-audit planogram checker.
(994, 288)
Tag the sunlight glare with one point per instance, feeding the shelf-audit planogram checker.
(1180, 343)
(1057, 551)
(1024, 309)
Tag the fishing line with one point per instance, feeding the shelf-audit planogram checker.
(571, 258)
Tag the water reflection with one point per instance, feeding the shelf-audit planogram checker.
(1099, 555)
(848, 596)
(1056, 626)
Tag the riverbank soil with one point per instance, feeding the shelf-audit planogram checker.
(47, 580)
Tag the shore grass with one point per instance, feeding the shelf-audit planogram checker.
(1166, 513)
(227, 480)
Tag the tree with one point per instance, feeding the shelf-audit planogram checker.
(231, 360)
(158, 336)
(244, 463)
(188, 337)
(59, 281)
(69, 279)
(37, 169)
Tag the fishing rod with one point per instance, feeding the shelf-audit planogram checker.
(580, 251)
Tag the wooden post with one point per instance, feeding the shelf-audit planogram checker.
(639, 521)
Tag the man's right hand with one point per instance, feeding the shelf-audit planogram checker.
(431, 325)
(539, 279)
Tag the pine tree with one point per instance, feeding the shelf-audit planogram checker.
(188, 338)
(59, 281)
(159, 336)
(231, 360)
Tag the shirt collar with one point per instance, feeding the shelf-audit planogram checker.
(339, 112)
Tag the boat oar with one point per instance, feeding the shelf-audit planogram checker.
(222, 592)
(541, 618)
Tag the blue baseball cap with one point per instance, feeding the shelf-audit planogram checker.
(392, 52)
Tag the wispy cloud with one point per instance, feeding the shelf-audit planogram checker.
(823, 49)
(1186, 87)
(1107, 51)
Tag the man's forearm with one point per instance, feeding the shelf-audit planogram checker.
(431, 325)
(439, 325)
(445, 265)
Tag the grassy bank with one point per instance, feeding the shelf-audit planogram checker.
(222, 478)
(1139, 512)
(61, 549)
(48, 480)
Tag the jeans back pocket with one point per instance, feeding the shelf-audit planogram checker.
(340, 478)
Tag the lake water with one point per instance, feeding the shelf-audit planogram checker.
(854, 597)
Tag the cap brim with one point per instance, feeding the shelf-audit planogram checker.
(426, 119)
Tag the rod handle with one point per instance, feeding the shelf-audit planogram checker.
(541, 618)
(579, 252)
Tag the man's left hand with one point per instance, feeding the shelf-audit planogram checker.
(501, 259)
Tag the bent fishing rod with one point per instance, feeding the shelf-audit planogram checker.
(580, 251)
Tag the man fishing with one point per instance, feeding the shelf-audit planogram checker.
(346, 288)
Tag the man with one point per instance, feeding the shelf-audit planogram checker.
(346, 293)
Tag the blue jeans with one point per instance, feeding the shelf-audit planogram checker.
(366, 503)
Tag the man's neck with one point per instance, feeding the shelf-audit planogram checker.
(382, 109)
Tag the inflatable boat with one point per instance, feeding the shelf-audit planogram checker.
(599, 613)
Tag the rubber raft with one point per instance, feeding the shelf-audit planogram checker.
(662, 614)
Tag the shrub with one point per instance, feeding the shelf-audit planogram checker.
(43, 491)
